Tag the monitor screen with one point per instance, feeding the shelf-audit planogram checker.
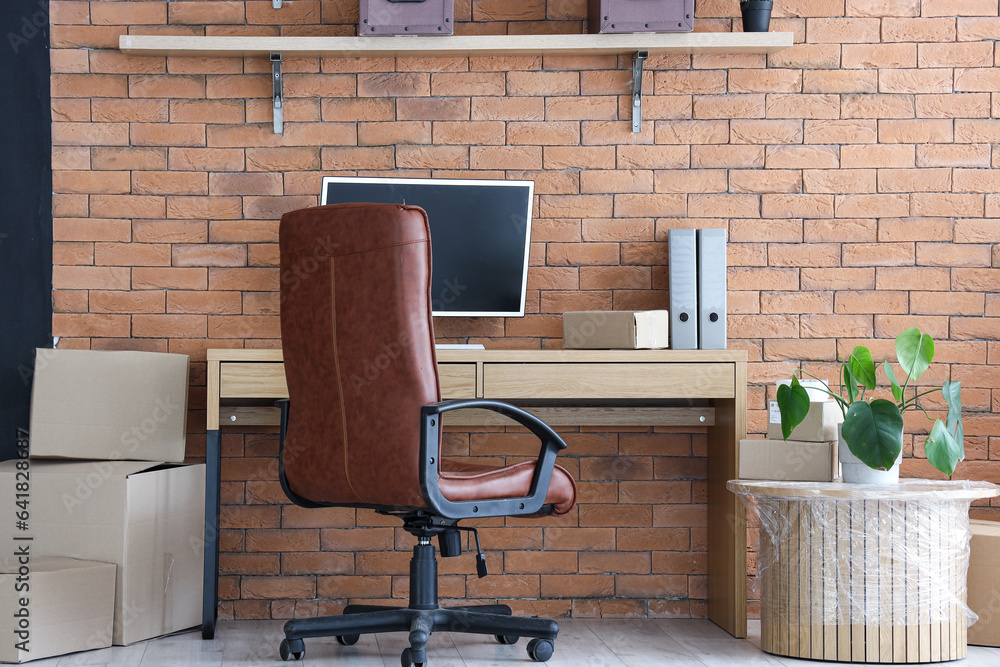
(480, 234)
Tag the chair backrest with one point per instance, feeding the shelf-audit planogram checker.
(358, 342)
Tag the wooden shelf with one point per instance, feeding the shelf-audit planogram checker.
(471, 45)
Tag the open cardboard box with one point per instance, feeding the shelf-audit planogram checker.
(147, 518)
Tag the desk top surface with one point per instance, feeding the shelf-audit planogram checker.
(526, 356)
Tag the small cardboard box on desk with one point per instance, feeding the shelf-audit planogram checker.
(53, 606)
(616, 329)
(984, 582)
(131, 502)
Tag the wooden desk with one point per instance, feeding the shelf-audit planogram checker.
(563, 387)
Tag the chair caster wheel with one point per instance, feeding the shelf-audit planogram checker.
(540, 650)
(507, 639)
(348, 640)
(406, 659)
(292, 649)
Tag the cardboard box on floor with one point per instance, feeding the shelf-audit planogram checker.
(88, 404)
(820, 424)
(616, 330)
(789, 461)
(147, 518)
(70, 606)
(984, 582)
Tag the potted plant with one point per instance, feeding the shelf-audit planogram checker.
(756, 15)
(873, 427)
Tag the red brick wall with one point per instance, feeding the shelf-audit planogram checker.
(853, 171)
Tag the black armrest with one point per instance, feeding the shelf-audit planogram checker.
(430, 458)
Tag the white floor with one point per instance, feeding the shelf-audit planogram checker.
(597, 642)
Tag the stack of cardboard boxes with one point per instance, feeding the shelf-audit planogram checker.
(809, 454)
(106, 522)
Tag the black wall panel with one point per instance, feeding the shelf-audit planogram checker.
(25, 207)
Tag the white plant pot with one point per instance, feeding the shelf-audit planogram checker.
(854, 471)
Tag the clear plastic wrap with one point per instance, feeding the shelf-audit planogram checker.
(844, 565)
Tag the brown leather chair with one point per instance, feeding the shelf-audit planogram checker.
(361, 427)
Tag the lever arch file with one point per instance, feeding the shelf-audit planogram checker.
(712, 289)
(682, 272)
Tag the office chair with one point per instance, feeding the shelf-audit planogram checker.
(362, 425)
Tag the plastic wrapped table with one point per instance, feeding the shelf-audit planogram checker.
(863, 573)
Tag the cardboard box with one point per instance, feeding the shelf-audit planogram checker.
(984, 582)
(88, 404)
(54, 606)
(146, 518)
(789, 461)
(820, 425)
(616, 329)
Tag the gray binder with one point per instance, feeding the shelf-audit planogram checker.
(682, 271)
(712, 289)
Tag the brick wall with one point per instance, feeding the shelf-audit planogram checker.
(853, 171)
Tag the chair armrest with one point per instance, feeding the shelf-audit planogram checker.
(430, 458)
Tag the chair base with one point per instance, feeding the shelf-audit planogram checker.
(420, 623)
(422, 617)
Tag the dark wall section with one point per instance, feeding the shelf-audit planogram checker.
(25, 207)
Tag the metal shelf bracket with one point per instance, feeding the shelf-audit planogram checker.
(637, 61)
(277, 94)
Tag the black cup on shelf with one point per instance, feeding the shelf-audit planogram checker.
(756, 15)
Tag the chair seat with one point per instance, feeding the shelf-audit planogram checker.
(461, 481)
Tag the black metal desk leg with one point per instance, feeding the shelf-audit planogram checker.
(210, 600)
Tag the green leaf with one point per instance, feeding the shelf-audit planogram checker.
(862, 367)
(874, 432)
(914, 351)
(943, 451)
(897, 391)
(952, 392)
(793, 403)
(850, 383)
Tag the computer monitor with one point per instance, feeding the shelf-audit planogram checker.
(480, 235)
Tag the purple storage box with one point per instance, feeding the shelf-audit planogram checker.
(640, 15)
(407, 17)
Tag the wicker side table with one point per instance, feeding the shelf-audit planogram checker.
(861, 573)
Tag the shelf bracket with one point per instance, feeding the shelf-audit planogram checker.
(277, 95)
(276, 4)
(637, 61)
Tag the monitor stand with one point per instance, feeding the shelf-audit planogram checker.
(459, 346)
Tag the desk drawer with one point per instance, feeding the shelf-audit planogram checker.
(267, 380)
(609, 380)
(252, 380)
(457, 380)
